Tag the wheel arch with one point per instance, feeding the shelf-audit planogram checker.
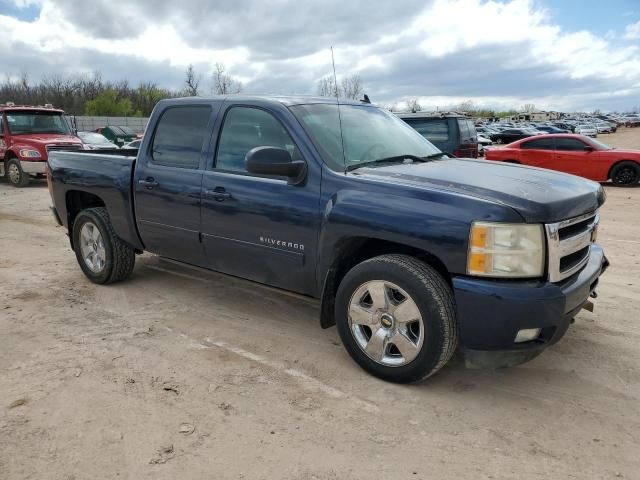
(75, 202)
(354, 250)
(618, 162)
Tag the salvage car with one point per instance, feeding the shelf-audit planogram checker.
(575, 154)
(27, 135)
(451, 133)
(412, 254)
(511, 134)
(95, 141)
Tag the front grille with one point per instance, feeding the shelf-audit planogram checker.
(569, 243)
(71, 146)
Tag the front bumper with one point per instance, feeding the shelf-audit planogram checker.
(491, 312)
(33, 167)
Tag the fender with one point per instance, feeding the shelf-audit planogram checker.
(432, 224)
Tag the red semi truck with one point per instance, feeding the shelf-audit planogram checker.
(27, 135)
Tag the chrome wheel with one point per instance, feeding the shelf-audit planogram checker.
(386, 323)
(14, 173)
(92, 247)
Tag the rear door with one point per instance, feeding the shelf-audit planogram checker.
(538, 153)
(168, 181)
(468, 147)
(570, 155)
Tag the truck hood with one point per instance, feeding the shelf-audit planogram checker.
(42, 139)
(540, 196)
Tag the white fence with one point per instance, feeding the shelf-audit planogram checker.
(91, 123)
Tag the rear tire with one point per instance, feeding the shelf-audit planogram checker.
(625, 173)
(404, 331)
(16, 176)
(101, 254)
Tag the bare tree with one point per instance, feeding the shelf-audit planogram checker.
(413, 105)
(191, 81)
(327, 87)
(352, 87)
(349, 87)
(528, 107)
(223, 83)
(467, 107)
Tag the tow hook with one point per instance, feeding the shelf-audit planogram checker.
(594, 294)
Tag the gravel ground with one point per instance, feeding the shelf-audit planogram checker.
(180, 373)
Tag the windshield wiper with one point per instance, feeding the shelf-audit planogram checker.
(386, 160)
(433, 156)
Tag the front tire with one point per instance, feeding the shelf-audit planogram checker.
(16, 176)
(101, 254)
(396, 318)
(625, 173)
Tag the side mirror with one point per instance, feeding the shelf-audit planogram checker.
(275, 161)
(588, 148)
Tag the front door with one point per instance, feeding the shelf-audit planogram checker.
(538, 153)
(168, 182)
(259, 227)
(570, 155)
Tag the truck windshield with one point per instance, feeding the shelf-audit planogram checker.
(369, 134)
(26, 122)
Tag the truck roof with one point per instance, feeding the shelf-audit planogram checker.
(4, 107)
(287, 100)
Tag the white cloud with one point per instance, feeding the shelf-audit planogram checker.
(524, 55)
(632, 32)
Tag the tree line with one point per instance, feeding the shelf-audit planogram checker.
(92, 95)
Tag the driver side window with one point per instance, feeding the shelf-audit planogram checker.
(245, 128)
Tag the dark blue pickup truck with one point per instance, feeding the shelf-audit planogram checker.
(413, 254)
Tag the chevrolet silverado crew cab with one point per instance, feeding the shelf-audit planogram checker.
(27, 135)
(412, 254)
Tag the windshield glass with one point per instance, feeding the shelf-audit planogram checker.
(37, 122)
(94, 138)
(369, 134)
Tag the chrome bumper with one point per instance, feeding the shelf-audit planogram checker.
(33, 167)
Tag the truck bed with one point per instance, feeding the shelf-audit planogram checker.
(106, 176)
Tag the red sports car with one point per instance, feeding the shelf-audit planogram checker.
(574, 154)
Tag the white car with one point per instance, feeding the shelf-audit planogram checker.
(135, 145)
(588, 130)
(604, 128)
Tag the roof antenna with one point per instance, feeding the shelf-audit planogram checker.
(335, 85)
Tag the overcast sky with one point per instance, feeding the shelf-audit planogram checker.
(557, 54)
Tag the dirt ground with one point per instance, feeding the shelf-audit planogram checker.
(180, 373)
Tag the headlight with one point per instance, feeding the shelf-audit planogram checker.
(29, 153)
(512, 250)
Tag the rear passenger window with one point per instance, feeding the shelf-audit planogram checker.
(540, 144)
(434, 130)
(179, 136)
(569, 144)
(246, 128)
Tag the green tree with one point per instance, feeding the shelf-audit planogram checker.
(107, 104)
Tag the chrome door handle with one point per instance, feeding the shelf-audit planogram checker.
(148, 182)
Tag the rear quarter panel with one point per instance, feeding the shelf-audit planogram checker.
(105, 176)
(502, 154)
